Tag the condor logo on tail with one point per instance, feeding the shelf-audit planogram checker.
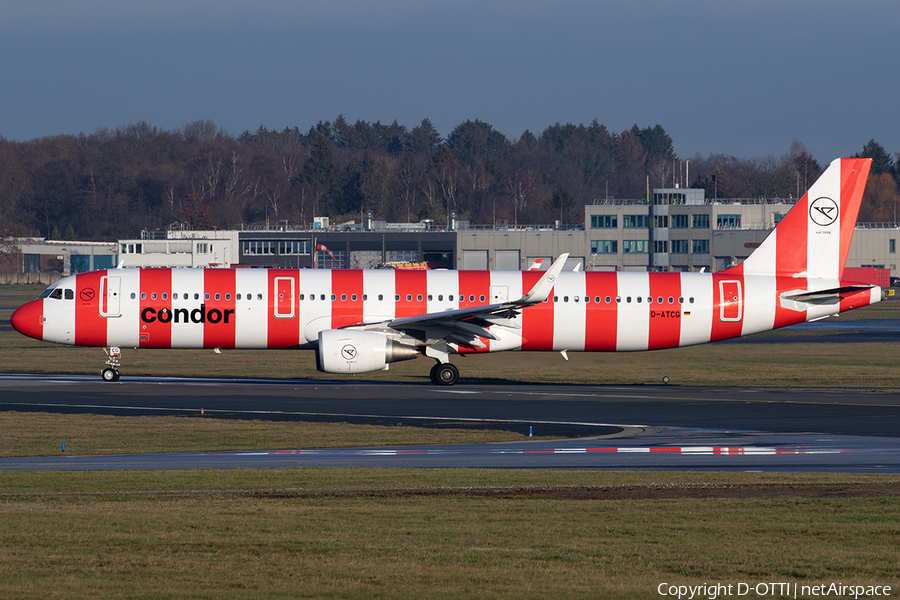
(824, 211)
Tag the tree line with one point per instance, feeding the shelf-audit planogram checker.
(114, 183)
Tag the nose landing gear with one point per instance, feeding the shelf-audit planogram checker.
(113, 356)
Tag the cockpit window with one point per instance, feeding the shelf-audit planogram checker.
(58, 294)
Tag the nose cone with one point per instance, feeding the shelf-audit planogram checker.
(28, 319)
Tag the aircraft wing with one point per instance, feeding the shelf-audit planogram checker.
(467, 325)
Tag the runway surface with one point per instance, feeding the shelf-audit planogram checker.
(631, 427)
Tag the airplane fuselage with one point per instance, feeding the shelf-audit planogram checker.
(287, 308)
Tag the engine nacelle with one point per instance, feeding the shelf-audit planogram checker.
(354, 351)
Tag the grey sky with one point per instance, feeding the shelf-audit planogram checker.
(741, 78)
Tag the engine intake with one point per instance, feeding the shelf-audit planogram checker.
(354, 351)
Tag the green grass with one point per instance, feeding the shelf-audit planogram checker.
(42, 434)
(320, 533)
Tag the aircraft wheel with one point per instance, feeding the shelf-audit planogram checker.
(110, 375)
(445, 374)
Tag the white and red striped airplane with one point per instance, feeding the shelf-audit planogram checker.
(362, 320)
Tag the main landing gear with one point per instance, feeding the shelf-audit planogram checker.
(444, 374)
(113, 356)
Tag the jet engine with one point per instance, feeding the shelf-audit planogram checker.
(354, 351)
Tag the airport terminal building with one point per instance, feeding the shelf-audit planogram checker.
(676, 230)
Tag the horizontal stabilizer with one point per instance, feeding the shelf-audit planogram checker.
(825, 296)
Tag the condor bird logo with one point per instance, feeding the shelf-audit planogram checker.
(348, 352)
(823, 211)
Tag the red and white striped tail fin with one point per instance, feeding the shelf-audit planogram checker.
(813, 239)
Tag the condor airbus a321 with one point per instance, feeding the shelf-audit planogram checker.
(363, 320)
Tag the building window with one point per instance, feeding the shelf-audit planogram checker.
(728, 222)
(679, 246)
(778, 217)
(636, 246)
(293, 247)
(635, 221)
(661, 246)
(679, 221)
(892, 246)
(258, 248)
(661, 221)
(700, 221)
(604, 222)
(699, 246)
(604, 247)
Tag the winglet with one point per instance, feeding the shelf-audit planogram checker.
(541, 289)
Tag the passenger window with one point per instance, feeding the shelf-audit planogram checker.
(353, 297)
(409, 297)
(333, 297)
(639, 299)
(618, 299)
(680, 300)
(196, 296)
(396, 297)
(133, 295)
(430, 297)
(628, 299)
(153, 296)
(418, 297)
(322, 297)
(365, 297)
(380, 297)
(343, 297)
(565, 298)
(218, 296)
(143, 295)
(206, 296)
(556, 298)
(691, 300)
(671, 299)
(228, 296)
(471, 297)
(440, 297)
(238, 296)
(660, 300)
(481, 298)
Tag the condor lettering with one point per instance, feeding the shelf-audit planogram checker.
(181, 315)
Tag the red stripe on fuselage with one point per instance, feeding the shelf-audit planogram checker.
(475, 290)
(347, 306)
(90, 327)
(218, 330)
(411, 287)
(665, 311)
(537, 320)
(284, 330)
(156, 297)
(723, 330)
(600, 319)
